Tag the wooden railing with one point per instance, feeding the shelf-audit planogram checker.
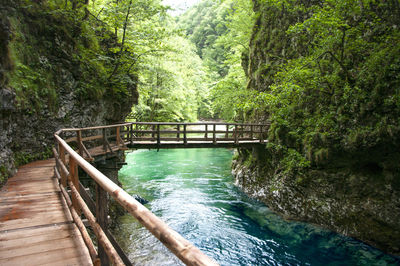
(76, 147)
(68, 161)
(184, 133)
(92, 141)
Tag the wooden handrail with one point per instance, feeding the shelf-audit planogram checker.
(234, 132)
(119, 135)
(182, 248)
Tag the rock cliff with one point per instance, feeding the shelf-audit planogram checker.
(50, 78)
(331, 159)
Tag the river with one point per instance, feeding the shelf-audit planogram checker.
(193, 191)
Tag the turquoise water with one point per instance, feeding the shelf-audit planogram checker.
(192, 190)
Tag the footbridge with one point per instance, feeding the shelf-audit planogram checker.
(45, 211)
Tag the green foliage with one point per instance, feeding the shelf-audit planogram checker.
(139, 27)
(94, 50)
(221, 31)
(173, 87)
(21, 157)
(204, 24)
(3, 174)
(48, 41)
(336, 91)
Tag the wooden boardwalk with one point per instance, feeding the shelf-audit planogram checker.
(36, 227)
(41, 225)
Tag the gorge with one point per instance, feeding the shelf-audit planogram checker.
(325, 76)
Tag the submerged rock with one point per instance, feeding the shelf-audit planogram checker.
(140, 199)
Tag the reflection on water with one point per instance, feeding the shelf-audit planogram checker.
(192, 191)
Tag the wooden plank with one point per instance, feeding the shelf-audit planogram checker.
(41, 218)
(73, 176)
(73, 139)
(92, 138)
(84, 233)
(55, 252)
(38, 185)
(49, 162)
(35, 227)
(16, 209)
(8, 243)
(27, 198)
(29, 204)
(46, 245)
(35, 231)
(101, 217)
(86, 197)
(82, 260)
(101, 236)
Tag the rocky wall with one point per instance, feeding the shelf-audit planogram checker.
(48, 81)
(353, 203)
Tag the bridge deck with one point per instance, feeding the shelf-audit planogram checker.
(36, 227)
(192, 144)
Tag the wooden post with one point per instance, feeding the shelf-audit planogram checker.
(104, 139)
(236, 134)
(184, 134)
(158, 134)
(261, 134)
(118, 137)
(214, 134)
(101, 217)
(152, 131)
(227, 132)
(61, 154)
(177, 134)
(251, 131)
(73, 176)
(126, 130)
(206, 133)
(79, 139)
(131, 132)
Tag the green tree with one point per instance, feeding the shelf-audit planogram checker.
(173, 86)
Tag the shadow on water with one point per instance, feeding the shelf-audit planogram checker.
(192, 191)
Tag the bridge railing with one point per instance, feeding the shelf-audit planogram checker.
(68, 161)
(108, 139)
(104, 138)
(213, 132)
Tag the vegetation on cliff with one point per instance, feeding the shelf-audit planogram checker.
(327, 77)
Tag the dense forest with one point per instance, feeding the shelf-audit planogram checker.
(324, 74)
(192, 80)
